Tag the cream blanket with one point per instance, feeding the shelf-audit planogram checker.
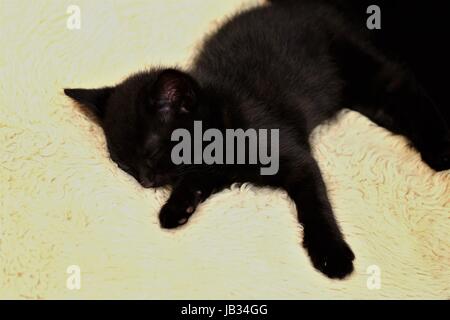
(64, 203)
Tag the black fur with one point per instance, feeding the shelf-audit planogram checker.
(289, 65)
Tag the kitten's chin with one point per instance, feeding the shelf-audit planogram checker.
(154, 183)
(147, 184)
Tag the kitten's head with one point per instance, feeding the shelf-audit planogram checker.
(138, 117)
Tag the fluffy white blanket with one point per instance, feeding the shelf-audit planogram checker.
(63, 202)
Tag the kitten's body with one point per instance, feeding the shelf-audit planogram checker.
(287, 66)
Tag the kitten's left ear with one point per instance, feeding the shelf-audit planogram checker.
(94, 99)
(174, 92)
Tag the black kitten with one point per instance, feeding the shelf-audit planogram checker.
(287, 66)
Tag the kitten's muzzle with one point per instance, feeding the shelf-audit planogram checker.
(152, 181)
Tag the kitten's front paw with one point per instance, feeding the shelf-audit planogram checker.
(334, 257)
(178, 210)
(172, 216)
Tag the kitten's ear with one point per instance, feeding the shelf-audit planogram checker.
(174, 92)
(94, 99)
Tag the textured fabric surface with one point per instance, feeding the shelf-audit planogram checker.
(64, 202)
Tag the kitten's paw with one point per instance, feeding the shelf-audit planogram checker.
(172, 217)
(177, 211)
(334, 258)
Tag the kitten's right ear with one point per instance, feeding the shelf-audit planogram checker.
(94, 99)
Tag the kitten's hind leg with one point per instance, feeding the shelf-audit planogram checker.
(401, 105)
(322, 237)
(389, 94)
(405, 108)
